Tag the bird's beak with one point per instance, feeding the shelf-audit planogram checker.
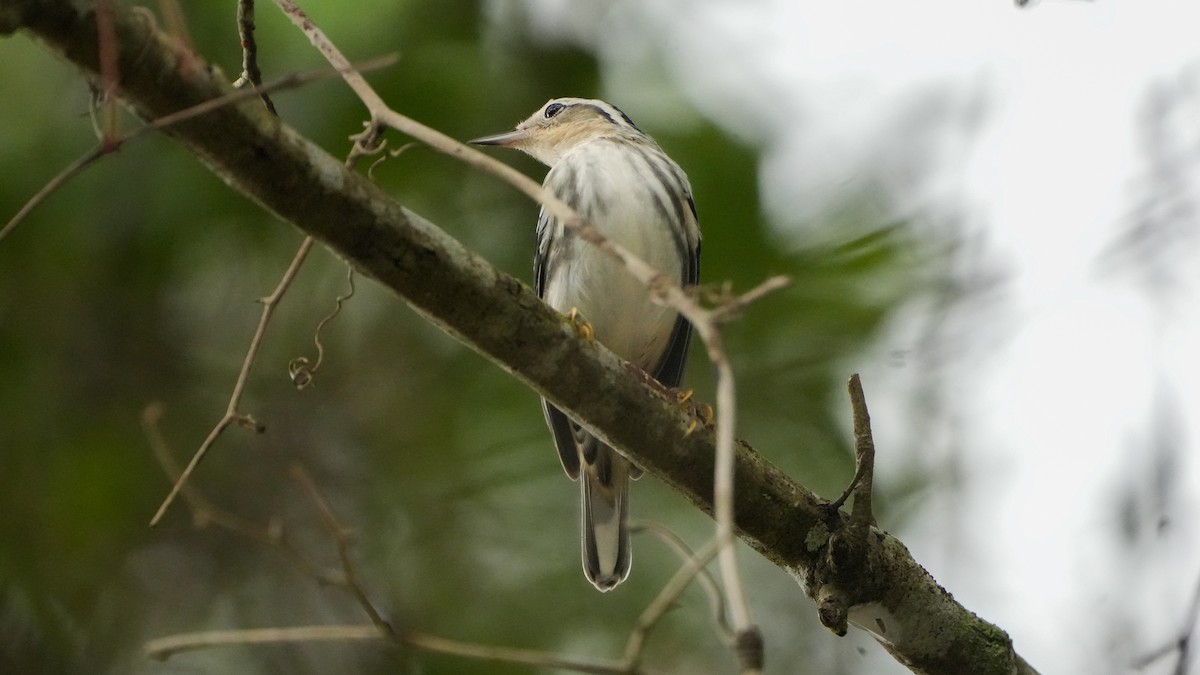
(508, 140)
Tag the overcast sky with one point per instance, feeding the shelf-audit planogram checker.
(1062, 140)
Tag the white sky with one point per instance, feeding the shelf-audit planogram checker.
(1040, 149)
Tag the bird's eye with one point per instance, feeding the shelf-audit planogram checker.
(553, 109)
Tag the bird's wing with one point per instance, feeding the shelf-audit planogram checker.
(670, 369)
(545, 235)
(565, 438)
(567, 434)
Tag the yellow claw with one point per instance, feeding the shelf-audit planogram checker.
(702, 413)
(581, 325)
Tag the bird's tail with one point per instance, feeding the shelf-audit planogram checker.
(605, 494)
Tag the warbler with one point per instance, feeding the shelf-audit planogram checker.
(623, 184)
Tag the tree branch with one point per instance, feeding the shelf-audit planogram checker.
(501, 318)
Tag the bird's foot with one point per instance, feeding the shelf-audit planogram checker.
(701, 413)
(581, 325)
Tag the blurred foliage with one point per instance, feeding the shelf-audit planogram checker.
(136, 283)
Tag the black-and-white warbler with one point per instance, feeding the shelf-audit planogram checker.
(619, 180)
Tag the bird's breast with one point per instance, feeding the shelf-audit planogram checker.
(626, 207)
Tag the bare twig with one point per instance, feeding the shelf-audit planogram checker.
(166, 647)
(345, 542)
(231, 411)
(715, 597)
(176, 23)
(730, 307)
(250, 73)
(862, 484)
(204, 512)
(110, 75)
(692, 568)
(510, 655)
(290, 81)
(73, 169)
(723, 481)
(849, 547)
(115, 143)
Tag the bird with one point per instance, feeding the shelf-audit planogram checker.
(618, 179)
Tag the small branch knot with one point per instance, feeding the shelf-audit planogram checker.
(248, 422)
(832, 610)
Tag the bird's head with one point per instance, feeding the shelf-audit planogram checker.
(563, 124)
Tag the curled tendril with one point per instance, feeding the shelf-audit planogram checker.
(301, 374)
(299, 370)
(390, 154)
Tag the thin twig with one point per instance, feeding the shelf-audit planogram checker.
(862, 484)
(72, 170)
(529, 657)
(205, 513)
(344, 537)
(833, 603)
(112, 145)
(748, 638)
(289, 81)
(707, 582)
(231, 411)
(250, 73)
(735, 305)
(176, 23)
(692, 568)
(110, 74)
(165, 647)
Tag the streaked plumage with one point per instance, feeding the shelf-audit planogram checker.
(625, 186)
